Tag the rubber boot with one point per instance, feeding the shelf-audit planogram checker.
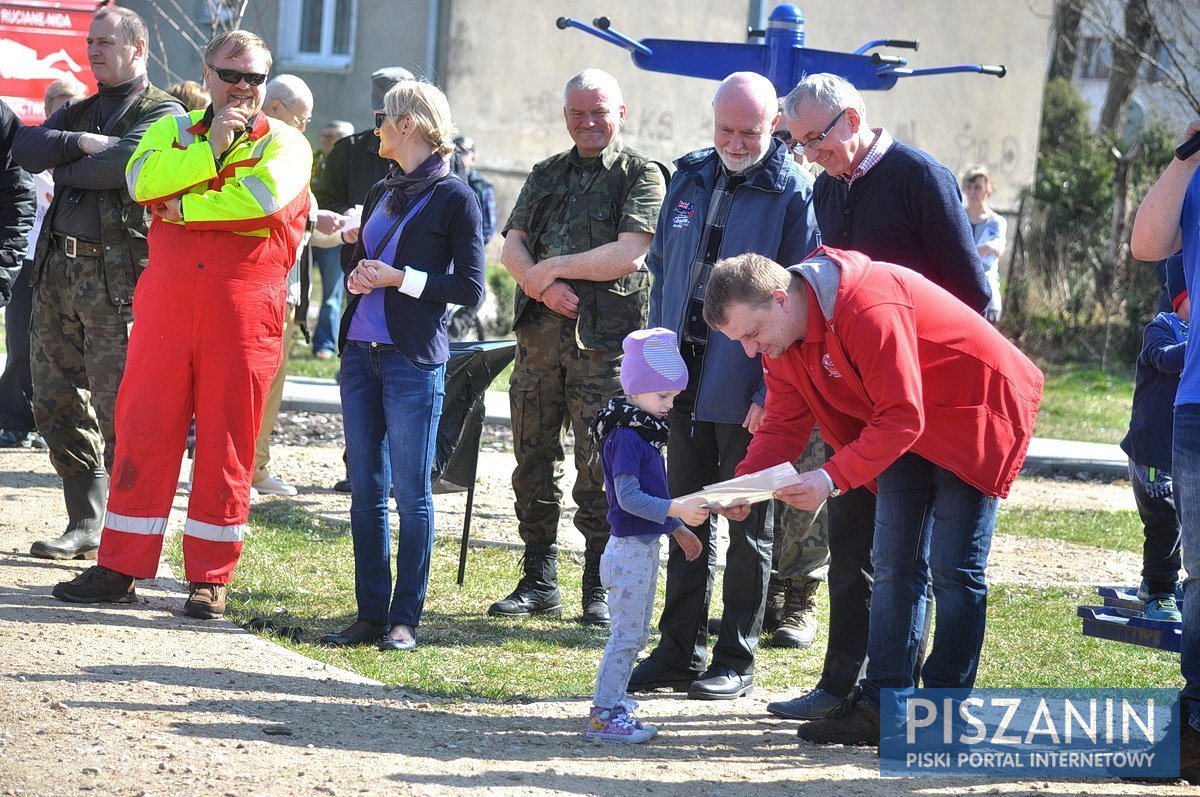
(595, 596)
(537, 591)
(85, 496)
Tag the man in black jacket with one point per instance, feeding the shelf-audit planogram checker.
(17, 206)
(91, 249)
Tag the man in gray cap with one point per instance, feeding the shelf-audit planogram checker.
(352, 167)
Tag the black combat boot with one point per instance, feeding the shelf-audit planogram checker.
(773, 615)
(84, 496)
(798, 626)
(537, 591)
(595, 596)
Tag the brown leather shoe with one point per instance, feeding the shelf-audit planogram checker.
(97, 584)
(207, 601)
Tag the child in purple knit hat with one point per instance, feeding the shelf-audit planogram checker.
(630, 433)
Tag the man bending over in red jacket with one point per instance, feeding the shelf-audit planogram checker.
(924, 402)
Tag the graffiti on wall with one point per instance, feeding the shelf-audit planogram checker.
(969, 147)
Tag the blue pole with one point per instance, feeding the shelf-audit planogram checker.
(785, 31)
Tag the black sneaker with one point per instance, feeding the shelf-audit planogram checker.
(1189, 753)
(854, 722)
(97, 584)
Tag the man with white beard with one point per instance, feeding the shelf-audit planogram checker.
(745, 194)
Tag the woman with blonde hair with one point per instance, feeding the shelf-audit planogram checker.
(989, 230)
(420, 249)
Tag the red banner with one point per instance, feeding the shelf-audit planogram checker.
(41, 42)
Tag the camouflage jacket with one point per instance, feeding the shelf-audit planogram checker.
(570, 205)
(123, 222)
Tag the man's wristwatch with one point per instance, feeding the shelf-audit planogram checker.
(834, 492)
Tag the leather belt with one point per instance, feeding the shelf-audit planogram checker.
(370, 344)
(76, 247)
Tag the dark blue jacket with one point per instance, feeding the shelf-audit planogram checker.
(446, 242)
(771, 215)
(1157, 379)
(906, 210)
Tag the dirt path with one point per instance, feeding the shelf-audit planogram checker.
(141, 701)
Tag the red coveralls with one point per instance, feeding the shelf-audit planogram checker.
(207, 338)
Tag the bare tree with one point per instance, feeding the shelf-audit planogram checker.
(1067, 16)
(1129, 56)
(222, 15)
(1158, 38)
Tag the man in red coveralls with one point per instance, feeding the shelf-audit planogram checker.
(228, 187)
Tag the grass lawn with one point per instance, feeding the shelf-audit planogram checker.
(1084, 403)
(298, 570)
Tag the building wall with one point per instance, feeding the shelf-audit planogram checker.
(503, 64)
(506, 64)
(388, 33)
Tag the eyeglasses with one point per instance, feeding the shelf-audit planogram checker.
(234, 77)
(812, 142)
(785, 136)
(301, 121)
(380, 118)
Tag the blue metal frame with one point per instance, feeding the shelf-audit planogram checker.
(783, 58)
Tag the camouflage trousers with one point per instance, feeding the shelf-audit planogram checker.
(555, 383)
(802, 536)
(77, 342)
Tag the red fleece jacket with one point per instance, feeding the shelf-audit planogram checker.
(892, 363)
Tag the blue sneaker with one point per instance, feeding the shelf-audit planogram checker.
(1144, 594)
(11, 438)
(1162, 607)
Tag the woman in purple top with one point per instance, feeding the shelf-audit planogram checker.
(421, 248)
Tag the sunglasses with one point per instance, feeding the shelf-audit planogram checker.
(785, 136)
(380, 118)
(234, 77)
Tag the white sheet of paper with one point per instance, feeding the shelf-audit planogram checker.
(353, 219)
(748, 489)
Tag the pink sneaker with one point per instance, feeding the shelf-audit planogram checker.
(617, 724)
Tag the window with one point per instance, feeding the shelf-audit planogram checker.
(1159, 70)
(1095, 58)
(317, 33)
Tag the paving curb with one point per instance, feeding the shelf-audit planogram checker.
(1047, 457)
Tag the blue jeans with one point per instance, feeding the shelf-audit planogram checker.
(390, 412)
(1185, 468)
(333, 287)
(929, 525)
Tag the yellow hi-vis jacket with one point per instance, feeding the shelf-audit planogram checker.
(258, 189)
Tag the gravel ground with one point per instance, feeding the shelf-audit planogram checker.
(140, 701)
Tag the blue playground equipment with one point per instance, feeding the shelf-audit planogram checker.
(1120, 619)
(782, 58)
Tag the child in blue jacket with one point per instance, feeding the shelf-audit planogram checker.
(1148, 445)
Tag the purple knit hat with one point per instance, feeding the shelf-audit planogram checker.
(652, 362)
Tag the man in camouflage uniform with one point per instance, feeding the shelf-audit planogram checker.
(800, 563)
(91, 249)
(574, 241)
